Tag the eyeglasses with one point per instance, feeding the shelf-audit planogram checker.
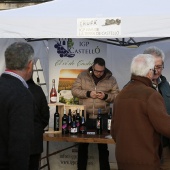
(154, 71)
(159, 67)
(97, 71)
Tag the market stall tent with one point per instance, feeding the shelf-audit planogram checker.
(60, 19)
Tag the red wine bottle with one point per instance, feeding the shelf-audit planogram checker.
(78, 119)
(83, 124)
(99, 123)
(109, 119)
(69, 121)
(73, 126)
(56, 120)
(64, 123)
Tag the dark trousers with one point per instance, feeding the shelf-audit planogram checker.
(34, 162)
(103, 149)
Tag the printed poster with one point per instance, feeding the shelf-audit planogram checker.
(67, 58)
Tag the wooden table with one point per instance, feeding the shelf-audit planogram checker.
(54, 136)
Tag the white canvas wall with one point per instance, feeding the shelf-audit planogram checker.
(40, 52)
(119, 59)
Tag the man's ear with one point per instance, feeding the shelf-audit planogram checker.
(150, 75)
(29, 69)
(30, 65)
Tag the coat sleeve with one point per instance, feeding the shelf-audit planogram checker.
(114, 91)
(112, 124)
(158, 115)
(77, 89)
(44, 109)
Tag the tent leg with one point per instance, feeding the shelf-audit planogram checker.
(47, 157)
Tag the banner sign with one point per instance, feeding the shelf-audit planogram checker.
(67, 58)
(99, 27)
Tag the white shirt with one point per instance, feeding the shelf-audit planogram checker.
(17, 76)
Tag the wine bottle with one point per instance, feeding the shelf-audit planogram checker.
(83, 124)
(99, 123)
(73, 126)
(109, 119)
(53, 93)
(56, 120)
(69, 121)
(64, 123)
(78, 119)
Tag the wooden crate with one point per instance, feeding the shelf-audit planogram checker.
(74, 108)
(61, 108)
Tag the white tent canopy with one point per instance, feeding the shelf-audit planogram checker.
(58, 18)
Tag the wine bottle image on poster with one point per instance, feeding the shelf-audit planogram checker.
(53, 93)
(66, 80)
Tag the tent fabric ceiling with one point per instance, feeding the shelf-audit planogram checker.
(130, 42)
(58, 18)
(126, 42)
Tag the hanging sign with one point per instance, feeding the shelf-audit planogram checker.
(99, 27)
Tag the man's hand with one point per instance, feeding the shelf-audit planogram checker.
(100, 95)
(93, 94)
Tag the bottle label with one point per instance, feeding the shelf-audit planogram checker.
(73, 130)
(64, 126)
(82, 128)
(53, 99)
(57, 122)
(69, 128)
(109, 124)
(77, 123)
(98, 124)
(82, 120)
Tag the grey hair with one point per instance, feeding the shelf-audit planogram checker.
(18, 55)
(155, 51)
(141, 64)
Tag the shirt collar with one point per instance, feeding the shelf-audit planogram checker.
(17, 76)
(159, 80)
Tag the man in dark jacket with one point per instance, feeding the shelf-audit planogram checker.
(16, 108)
(163, 87)
(139, 117)
(41, 119)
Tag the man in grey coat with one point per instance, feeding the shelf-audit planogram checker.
(162, 85)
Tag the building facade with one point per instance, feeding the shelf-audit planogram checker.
(11, 4)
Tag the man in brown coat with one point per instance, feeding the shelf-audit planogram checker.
(139, 117)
